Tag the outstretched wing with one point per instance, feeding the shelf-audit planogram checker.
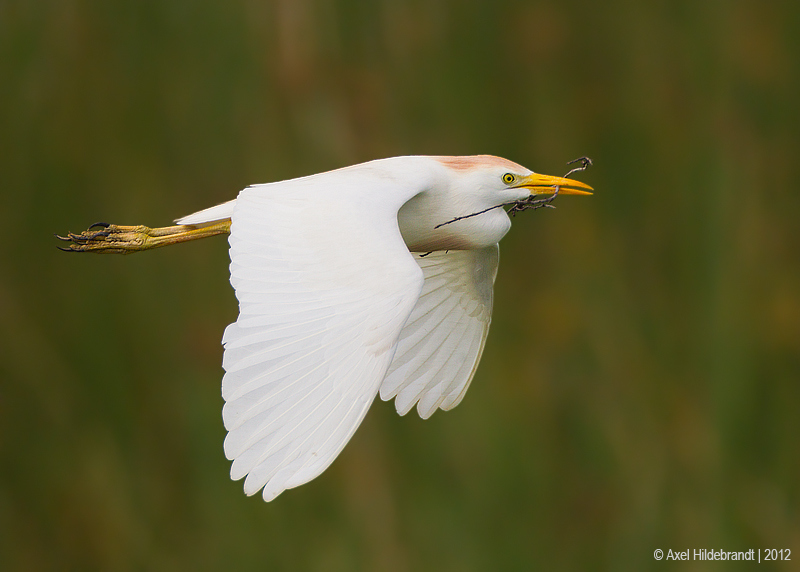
(442, 342)
(324, 288)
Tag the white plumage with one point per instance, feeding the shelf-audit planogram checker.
(442, 341)
(346, 288)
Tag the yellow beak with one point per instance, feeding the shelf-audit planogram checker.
(545, 185)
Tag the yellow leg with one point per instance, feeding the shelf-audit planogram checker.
(115, 239)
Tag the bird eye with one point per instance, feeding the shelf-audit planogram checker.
(508, 178)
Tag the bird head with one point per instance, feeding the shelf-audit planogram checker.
(487, 181)
(461, 210)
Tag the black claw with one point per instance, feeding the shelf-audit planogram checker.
(99, 234)
(62, 237)
(68, 249)
(102, 224)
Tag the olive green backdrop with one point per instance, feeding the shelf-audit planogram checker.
(641, 383)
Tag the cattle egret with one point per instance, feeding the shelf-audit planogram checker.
(375, 278)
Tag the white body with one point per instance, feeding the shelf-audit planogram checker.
(339, 301)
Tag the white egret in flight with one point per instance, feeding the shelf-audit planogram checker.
(375, 278)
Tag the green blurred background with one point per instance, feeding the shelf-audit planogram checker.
(641, 384)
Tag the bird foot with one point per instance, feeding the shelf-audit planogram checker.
(111, 239)
(117, 239)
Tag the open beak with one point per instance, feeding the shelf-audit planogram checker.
(545, 185)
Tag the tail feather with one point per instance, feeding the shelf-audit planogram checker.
(219, 212)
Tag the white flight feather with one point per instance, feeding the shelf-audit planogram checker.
(457, 294)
